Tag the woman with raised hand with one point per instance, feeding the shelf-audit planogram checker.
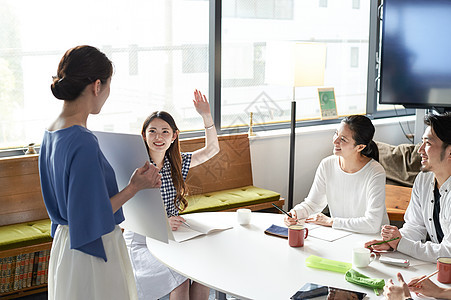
(161, 137)
(88, 259)
(351, 182)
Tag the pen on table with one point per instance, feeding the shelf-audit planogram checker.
(423, 279)
(184, 223)
(383, 242)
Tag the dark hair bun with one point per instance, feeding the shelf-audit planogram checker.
(66, 89)
(79, 67)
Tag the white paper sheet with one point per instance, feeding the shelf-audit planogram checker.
(311, 226)
(328, 233)
(144, 213)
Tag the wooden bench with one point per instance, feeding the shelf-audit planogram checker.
(228, 170)
(397, 199)
(21, 202)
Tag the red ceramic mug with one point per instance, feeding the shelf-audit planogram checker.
(444, 269)
(296, 235)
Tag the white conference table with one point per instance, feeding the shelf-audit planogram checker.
(248, 264)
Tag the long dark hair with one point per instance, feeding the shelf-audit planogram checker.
(80, 66)
(363, 132)
(174, 156)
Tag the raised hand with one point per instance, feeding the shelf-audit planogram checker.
(201, 104)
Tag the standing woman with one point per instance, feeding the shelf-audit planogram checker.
(161, 136)
(89, 258)
(351, 182)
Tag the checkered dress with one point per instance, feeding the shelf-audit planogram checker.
(167, 189)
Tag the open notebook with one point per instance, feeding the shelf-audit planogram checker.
(144, 213)
(197, 228)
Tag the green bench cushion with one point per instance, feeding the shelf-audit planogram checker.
(24, 234)
(228, 199)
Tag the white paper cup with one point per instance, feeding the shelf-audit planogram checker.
(243, 216)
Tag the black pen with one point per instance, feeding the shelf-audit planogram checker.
(280, 209)
(297, 220)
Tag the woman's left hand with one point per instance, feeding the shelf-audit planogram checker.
(201, 104)
(320, 219)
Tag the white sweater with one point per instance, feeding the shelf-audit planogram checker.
(356, 200)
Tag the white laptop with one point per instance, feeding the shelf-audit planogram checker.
(144, 213)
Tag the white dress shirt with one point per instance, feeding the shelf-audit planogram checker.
(419, 220)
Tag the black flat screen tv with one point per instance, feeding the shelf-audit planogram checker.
(415, 53)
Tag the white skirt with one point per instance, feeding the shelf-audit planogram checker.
(154, 280)
(76, 275)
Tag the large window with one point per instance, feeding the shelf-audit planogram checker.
(246, 36)
(159, 49)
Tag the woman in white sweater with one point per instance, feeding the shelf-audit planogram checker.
(351, 182)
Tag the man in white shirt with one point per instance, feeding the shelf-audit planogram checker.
(429, 211)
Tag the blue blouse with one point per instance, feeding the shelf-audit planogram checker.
(77, 183)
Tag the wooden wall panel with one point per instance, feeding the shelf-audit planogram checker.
(13, 185)
(230, 168)
(18, 165)
(20, 190)
(30, 200)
